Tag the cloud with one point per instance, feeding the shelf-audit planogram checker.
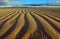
(16, 3)
(4, 2)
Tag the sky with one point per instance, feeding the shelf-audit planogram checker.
(33, 1)
(20, 2)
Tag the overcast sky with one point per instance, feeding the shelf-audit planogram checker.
(18, 2)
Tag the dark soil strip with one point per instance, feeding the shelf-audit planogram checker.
(25, 11)
(54, 18)
(24, 29)
(54, 26)
(2, 24)
(8, 15)
(11, 29)
(22, 11)
(4, 14)
(41, 28)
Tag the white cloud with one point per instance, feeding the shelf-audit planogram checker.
(4, 0)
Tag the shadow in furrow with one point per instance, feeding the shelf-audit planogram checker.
(8, 15)
(41, 28)
(22, 12)
(5, 14)
(11, 29)
(24, 29)
(54, 26)
(25, 11)
(54, 19)
(55, 16)
(2, 24)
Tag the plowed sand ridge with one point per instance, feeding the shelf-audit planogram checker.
(30, 23)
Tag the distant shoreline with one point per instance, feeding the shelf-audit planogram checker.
(34, 7)
(29, 6)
